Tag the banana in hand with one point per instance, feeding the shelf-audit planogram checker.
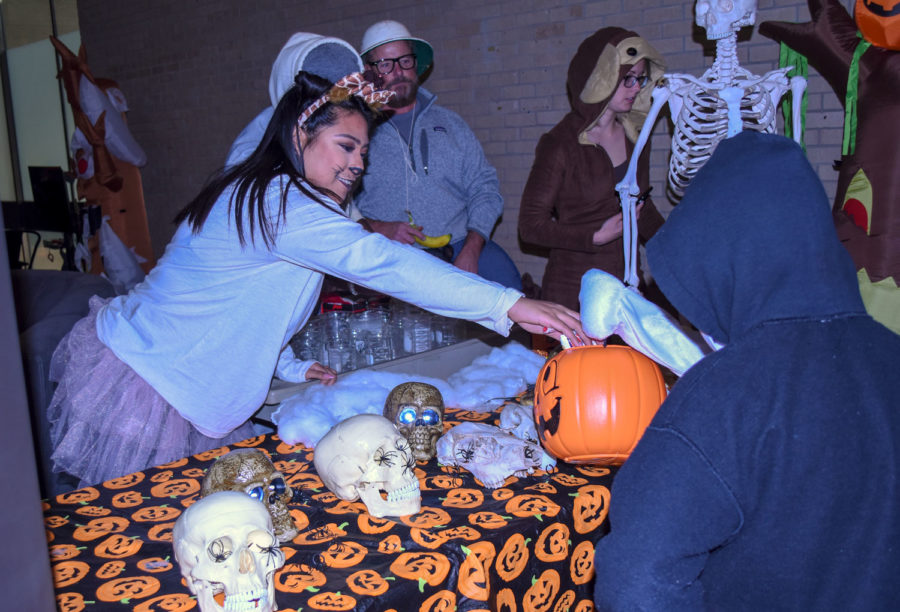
(430, 242)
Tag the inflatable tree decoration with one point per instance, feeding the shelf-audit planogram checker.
(860, 60)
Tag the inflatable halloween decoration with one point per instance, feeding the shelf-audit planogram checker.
(417, 410)
(225, 543)
(593, 403)
(365, 455)
(105, 156)
(726, 99)
(879, 22)
(867, 78)
(250, 471)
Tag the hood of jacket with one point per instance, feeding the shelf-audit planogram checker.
(753, 241)
(599, 66)
(328, 57)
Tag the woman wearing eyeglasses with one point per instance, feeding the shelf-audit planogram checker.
(570, 205)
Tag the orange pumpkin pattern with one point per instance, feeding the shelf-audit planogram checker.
(526, 546)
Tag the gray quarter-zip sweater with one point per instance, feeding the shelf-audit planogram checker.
(440, 175)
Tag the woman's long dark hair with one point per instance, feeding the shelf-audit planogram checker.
(276, 156)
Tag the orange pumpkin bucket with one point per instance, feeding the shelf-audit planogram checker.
(593, 403)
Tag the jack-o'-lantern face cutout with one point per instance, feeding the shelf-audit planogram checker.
(172, 602)
(61, 552)
(250, 471)
(526, 505)
(488, 519)
(110, 570)
(78, 496)
(118, 546)
(154, 565)
(128, 588)
(590, 508)
(127, 499)
(417, 410)
(296, 578)
(474, 573)
(553, 543)
(879, 22)
(442, 601)
(390, 545)
(320, 534)
(69, 572)
(343, 554)
(427, 518)
(432, 567)
(99, 527)
(542, 593)
(513, 557)
(367, 582)
(337, 602)
(371, 524)
(70, 602)
(463, 498)
(125, 482)
(581, 563)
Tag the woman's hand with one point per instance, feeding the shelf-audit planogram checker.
(612, 227)
(554, 320)
(319, 372)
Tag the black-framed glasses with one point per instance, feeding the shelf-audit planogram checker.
(630, 80)
(386, 64)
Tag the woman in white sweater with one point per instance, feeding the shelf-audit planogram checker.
(179, 364)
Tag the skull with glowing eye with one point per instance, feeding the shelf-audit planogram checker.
(417, 410)
(250, 471)
(225, 544)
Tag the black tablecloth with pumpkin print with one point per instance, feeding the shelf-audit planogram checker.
(527, 546)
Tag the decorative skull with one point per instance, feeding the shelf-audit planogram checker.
(722, 17)
(518, 420)
(490, 453)
(250, 471)
(364, 455)
(224, 543)
(417, 410)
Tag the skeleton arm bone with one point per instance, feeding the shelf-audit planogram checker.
(798, 86)
(628, 189)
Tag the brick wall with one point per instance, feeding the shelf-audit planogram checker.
(195, 72)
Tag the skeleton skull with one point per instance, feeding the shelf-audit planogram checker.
(225, 543)
(489, 453)
(364, 455)
(250, 471)
(518, 420)
(722, 17)
(417, 410)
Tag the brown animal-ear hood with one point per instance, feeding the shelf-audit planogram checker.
(599, 66)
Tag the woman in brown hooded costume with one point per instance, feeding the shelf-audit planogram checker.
(570, 204)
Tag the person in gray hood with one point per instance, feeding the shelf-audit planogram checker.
(768, 479)
(427, 174)
(325, 56)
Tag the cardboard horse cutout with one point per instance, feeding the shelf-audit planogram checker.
(867, 203)
(106, 159)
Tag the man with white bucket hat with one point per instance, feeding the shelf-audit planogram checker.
(427, 173)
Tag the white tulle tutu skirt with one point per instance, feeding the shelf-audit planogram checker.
(106, 421)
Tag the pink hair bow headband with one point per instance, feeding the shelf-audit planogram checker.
(354, 84)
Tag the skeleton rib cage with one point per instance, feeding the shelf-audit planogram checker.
(702, 121)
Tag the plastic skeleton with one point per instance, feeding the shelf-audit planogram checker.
(719, 104)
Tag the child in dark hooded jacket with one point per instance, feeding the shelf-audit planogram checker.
(768, 480)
